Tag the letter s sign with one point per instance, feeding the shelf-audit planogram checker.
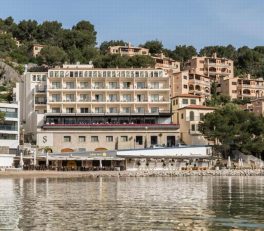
(44, 139)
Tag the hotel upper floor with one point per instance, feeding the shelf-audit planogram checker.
(81, 88)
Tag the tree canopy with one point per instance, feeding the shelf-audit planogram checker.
(154, 46)
(79, 44)
(235, 128)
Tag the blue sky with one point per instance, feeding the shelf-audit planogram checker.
(174, 22)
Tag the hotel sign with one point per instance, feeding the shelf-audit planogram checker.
(45, 139)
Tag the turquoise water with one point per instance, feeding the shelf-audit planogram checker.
(151, 203)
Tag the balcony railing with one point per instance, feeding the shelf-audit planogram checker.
(11, 114)
(8, 128)
(40, 102)
(40, 90)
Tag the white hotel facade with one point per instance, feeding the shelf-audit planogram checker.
(78, 107)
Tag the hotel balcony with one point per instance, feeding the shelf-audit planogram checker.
(39, 90)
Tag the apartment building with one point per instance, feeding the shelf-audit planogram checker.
(189, 118)
(9, 129)
(79, 107)
(245, 87)
(36, 48)
(166, 63)
(33, 97)
(128, 50)
(186, 83)
(213, 67)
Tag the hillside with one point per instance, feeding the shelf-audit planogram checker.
(79, 44)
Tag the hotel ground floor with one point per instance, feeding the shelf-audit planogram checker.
(179, 158)
(106, 137)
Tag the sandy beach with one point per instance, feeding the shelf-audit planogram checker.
(143, 173)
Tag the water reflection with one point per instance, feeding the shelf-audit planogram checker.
(194, 203)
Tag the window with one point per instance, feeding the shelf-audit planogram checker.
(85, 110)
(98, 110)
(55, 98)
(140, 85)
(124, 138)
(69, 97)
(94, 139)
(69, 85)
(67, 139)
(155, 98)
(113, 85)
(201, 116)
(34, 78)
(191, 116)
(185, 86)
(109, 139)
(182, 116)
(84, 97)
(153, 140)
(139, 140)
(155, 85)
(55, 110)
(113, 97)
(174, 102)
(185, 101)
(126, 109)
(56, 85)
(193, 127)
(69, 110)
(154, 110)
(185, 77)
(98, 98)
(127, 98)
(112, 110)
(84, 85)
(82, 138)
(193, 101)
(140, 109)
(126, 85)
(234, 83)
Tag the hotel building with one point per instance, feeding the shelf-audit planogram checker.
(78, 107)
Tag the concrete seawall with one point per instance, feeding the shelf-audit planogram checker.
(145, 173)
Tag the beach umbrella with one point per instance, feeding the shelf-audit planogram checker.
(21, 162)
(229, 162)
(241, 162)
